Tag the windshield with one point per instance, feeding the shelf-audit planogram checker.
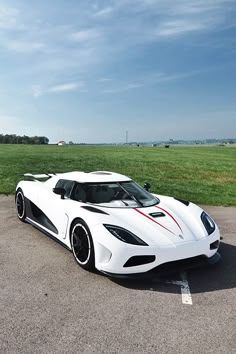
(114, 195)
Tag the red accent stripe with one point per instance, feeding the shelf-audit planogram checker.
(171, 217)
(148, 217)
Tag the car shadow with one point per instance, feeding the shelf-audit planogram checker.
(202, 278)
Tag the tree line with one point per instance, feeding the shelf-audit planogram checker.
(16, 139)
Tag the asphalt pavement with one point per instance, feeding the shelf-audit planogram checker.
(48, 304)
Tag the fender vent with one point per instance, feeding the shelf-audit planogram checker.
(94, 210)
(185, 202)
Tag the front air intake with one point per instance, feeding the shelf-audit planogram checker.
(139, 260)
(214, 245)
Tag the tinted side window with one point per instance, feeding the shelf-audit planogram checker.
(79, 193)
(67, 185)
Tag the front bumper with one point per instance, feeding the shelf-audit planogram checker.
(111, 258)
(169, 268)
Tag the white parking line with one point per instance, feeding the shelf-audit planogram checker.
(185, 289)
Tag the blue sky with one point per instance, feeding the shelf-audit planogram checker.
(88, 71)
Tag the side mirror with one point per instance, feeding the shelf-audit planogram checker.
(60, 191)
(147, 186)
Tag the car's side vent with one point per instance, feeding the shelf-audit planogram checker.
(157, 214)
(94, 210)
(185, 202)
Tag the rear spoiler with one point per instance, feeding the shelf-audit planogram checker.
(37, 176)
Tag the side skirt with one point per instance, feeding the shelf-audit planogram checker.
(47, 233)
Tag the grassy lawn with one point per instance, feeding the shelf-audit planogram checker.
(202, 174)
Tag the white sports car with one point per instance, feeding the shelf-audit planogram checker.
(112, 224)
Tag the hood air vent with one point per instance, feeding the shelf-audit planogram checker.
(157, 214)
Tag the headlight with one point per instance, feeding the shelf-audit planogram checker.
(125, 235)
(208, 223)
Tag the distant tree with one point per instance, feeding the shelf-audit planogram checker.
(16, 139)
(43, 140)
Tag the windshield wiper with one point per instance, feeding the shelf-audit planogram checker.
(126, 204)
(131, 195)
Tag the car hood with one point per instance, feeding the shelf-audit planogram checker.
(170, 222)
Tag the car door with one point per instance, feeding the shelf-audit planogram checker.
(54, 208)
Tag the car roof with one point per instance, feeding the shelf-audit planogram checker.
(93, 177)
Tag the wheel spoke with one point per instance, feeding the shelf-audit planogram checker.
(80, 244)
(20, 205)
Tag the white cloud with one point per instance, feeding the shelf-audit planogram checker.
(65, 45)
(151, 80)
(133, 86)
(173, 28)
(38, 90)
(185, 16)
(65, 87)
(85, 35)
(24, 46)
(151, 20)
(159, 78)
(93, 46)
(104, 79)
(201, 6)
(8, 17)
(104, 12)
(123, 88)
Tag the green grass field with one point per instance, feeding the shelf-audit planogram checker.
(202, 174)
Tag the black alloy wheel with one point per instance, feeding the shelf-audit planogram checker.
(20, 205)
(82, 244)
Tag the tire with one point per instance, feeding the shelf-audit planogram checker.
(20, 205)
(82, 244)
